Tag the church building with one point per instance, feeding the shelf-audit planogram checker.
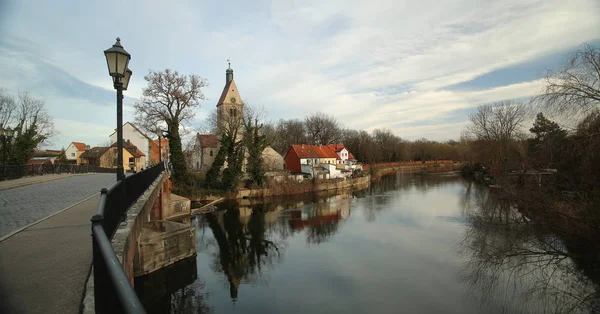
(230, 109)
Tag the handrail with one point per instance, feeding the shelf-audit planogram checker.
(123, 291)
(112, 291)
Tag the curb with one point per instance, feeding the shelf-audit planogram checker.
(10, 234)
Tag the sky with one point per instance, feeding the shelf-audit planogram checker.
(417, 68)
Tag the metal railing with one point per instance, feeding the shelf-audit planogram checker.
(112, 291)
(10, 172)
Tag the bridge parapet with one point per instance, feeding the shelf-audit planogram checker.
(122, 213)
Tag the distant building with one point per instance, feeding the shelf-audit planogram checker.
(93, 157)
(131, 133)
(205, 151)
(325, 161)
(74, 151)
(133, 158)
(154, 147)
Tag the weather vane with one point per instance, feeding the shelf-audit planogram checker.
(229, 62)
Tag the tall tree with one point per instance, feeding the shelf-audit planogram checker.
(497, 126)
(389, 145)
(169, 100)
(575, 89)
(548, 139)
(255, 141)
(322, 129)
(31, 124)
(288, 132)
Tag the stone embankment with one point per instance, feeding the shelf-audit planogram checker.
(379, 170)
(292, 187)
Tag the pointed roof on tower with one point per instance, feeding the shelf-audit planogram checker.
(230, 94)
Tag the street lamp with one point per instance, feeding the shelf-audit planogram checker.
(117, 60)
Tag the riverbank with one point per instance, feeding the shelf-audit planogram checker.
(379, 170)
(290, 188)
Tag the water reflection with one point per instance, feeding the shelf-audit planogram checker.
(387, 249)
(244, 248)
(516, 262)
(251, 235)
(174, 289)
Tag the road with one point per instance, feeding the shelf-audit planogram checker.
(24, 205)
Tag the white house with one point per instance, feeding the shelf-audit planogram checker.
(345, 156)
(74, 150)
(131, 133)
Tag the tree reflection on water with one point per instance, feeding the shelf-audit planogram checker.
(244, 248)
(250, 236)
(517, 262)
(173, 289)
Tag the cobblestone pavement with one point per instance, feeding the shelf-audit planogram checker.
(24, 205)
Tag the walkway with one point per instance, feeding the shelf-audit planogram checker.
(16, 183)
(27, 204)
(43, 268)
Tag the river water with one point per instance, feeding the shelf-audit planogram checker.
(407, 244)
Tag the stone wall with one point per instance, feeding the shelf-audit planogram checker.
(125, 241)
(307, 186)
(163, 243)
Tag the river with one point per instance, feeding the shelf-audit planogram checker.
(408, 244)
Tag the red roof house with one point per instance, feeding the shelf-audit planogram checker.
(309, 154)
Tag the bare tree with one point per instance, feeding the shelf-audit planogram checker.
(170, 99)
(390, 145)
(322, 129)
(497, 126)
(575, 89)
(288, 132)
(8, 107)
(31, 124)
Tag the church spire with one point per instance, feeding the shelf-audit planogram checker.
(228, 73)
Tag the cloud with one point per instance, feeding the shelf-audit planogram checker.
(388, 64)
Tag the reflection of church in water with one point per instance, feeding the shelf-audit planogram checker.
(250, 236)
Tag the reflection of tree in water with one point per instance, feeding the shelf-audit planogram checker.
(173, 289)
(243, 250)
(190, 299)
(321, 232)
(512, 259)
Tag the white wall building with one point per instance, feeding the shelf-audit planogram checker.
(74, 150)
(134, 135)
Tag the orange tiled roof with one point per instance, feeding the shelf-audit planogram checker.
(79, 145)
(339, 147)
(314, 151)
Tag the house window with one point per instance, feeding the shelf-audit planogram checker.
(72, 154)
(210, 153)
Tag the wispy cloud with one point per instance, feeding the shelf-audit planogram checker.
(376, 64)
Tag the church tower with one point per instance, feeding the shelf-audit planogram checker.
(230, 107)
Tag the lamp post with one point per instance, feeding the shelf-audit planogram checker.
(117, 60)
